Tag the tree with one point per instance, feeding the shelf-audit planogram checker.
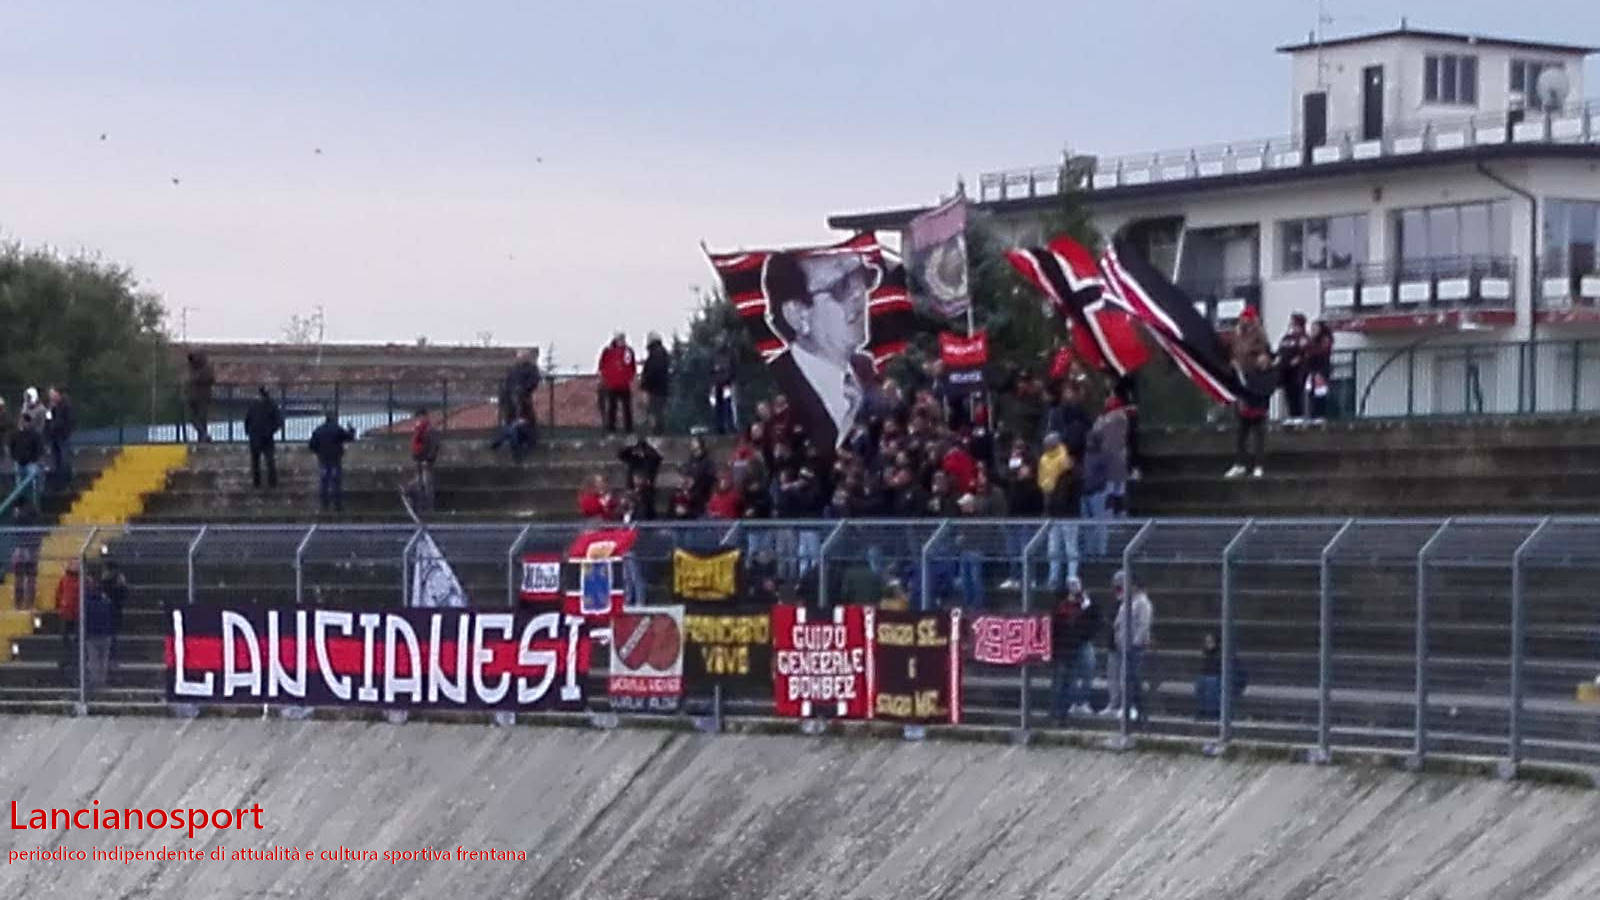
(83, 325)
(714, 322)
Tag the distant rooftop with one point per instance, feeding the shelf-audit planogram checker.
(1458, 37)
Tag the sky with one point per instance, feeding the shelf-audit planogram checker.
(545, 172)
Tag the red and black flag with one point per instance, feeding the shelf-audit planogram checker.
(1171, 318)
(825, 320)
(889, 313)
(1103, 335)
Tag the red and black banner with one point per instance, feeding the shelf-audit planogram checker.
(822, 661)
(917, 667)
(398, 658)
(1010, 640)
(964, 358)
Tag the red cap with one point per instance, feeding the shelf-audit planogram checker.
(1113, 402)
(1249, 313)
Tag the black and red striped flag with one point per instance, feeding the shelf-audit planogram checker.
(1103, 335)
(1170, 315)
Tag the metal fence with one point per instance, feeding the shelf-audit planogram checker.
(1465, 637)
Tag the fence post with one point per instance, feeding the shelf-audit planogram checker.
(230, 407)
(822, 563)
(391, 406)
(511, 566)
(1024, 701)
(444, 408)
(1419, 752)
(1225, 693)
(1518, 632)
(405, 568)
(1323, 753)
(926, 592)
(1411, 377)
(1122, 740)
(1577, 371)
(83, 629)
(194, 546)
(299, 566)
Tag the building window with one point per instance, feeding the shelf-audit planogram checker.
(1525, 80)
(1450, 78)
(1435, 239)
(1327, 242)
(1571, 232)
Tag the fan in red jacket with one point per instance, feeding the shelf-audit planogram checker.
(617, 369)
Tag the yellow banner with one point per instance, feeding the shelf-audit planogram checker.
(696, 577)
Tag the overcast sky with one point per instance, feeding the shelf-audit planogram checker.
(429, 211)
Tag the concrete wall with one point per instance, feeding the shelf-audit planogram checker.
(664, 815)
(1402, 58)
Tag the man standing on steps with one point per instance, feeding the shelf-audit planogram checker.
(327, 442)
(425, 453)
(655, 379)
(59, 426)
(261, 423)
(617, 369)
(202, 378)
(1133, 624)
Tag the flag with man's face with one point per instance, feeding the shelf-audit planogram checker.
(889, 317)
(824, 319)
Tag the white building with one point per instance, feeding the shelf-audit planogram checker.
(1437, 202)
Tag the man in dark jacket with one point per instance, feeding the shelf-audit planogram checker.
(202, 378)
(655, 380)
(327, 442)
(261, 423)
(521, 381)
(27, 447)
(617, 367)
(59, 430)
(1075, 626)
(724, 364)
(1251, 437)
(642, 458)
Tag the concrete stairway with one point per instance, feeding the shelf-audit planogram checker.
(474, 484)
(1419, 468)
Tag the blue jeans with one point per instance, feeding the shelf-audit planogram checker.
(807, 551)
(23, 472)
(971, 565)
(1132, 682)
(330, 490)
(1062, 545)
(1017, 537)
(1094, 536)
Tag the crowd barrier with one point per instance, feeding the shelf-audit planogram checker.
(1463, 637)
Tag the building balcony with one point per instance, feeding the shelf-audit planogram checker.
(1576, 124)
(1569, 290)
(1421, 293)
(1222, 300)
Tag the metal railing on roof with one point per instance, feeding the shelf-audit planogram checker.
(1576, 123)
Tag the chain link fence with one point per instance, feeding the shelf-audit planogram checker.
(1468, 637)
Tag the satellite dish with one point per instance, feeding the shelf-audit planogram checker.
(1552, 87)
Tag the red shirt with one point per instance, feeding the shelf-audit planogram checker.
(67, 597)
(724, 504)
(962, 469)
(591, 504)
(617, 367)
